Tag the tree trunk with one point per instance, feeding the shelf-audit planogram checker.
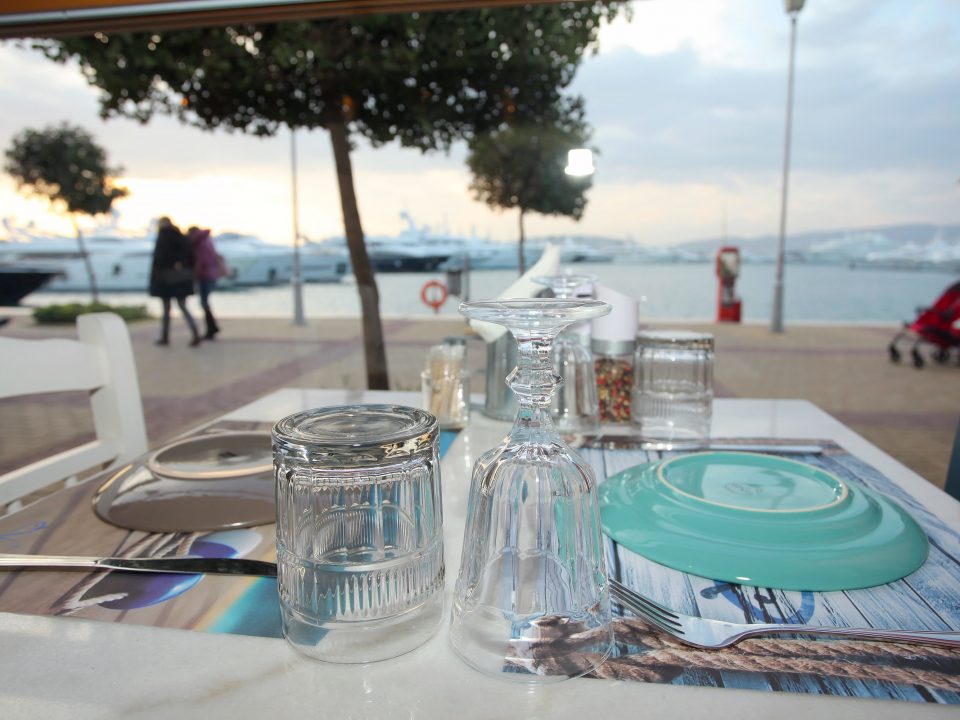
(86, 261)
(373, 346)
(520, 257)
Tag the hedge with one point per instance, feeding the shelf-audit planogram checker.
(67, 313)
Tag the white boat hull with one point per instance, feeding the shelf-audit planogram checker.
(123, 264)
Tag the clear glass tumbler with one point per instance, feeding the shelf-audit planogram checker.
(359, 530)
(531, 602)
(575, 408)
(673, 386)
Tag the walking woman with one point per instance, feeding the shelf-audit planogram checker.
(207, 269)
(171, 277)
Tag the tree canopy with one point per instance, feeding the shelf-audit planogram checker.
(423, 79)
(523, 167)
(65, 165)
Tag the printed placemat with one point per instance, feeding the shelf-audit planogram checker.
(64, 524)
(926, 599)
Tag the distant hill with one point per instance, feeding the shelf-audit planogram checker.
(920, 233)
(916, 246)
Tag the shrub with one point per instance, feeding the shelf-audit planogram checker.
(67, 313)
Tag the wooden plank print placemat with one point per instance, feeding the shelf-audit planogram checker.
(926, 599)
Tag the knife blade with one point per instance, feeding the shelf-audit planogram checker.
(190, 565)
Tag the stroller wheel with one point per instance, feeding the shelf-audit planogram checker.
(894, 354)
(917, 358)
(941, 355)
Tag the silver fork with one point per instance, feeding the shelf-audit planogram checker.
(705, 633)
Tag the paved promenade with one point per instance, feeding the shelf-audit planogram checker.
(911, 414)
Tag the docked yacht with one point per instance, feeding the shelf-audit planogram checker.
(422, 249)
(414, 249)
(404, 255)
(254, 262)
(937, 254)
(576, 250)
(118, 262)
(17, 281)
(122, 262)
(487, 255)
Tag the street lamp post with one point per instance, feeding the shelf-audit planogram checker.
(297, 279)
(793, 8)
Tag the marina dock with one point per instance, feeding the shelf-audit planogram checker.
(910, 414)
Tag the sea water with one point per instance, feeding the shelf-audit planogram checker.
(814, 293)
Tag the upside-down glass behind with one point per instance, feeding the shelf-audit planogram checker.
(673, 387)
(575, 408)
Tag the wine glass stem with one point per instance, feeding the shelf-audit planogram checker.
(534, 382)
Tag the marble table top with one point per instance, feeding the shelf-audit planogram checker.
(72, 668)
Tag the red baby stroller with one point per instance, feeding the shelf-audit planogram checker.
(936, 325)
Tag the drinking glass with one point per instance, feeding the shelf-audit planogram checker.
(359, 520)
(575, 407)
(673, 387)
(531, 601)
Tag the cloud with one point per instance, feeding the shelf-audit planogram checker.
(695, 119)
(688, 106)
(671, 116)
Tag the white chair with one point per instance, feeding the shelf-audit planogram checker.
(99, 361)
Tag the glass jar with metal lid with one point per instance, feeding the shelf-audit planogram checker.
(359, 530)
(673, 386)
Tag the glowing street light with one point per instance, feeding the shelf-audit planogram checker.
(793, 8)
(580, 162)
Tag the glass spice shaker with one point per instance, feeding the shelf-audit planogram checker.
(613, 344)
(613, 363)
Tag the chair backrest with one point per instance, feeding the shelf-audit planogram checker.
(100, 361)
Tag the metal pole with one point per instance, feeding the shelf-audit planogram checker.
(297, 279)
(776, 324)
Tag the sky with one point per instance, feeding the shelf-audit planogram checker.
(688, 106)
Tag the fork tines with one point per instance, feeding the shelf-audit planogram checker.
(653, 612)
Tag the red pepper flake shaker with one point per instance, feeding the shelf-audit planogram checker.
(613, 343)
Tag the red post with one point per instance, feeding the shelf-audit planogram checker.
(728, 270)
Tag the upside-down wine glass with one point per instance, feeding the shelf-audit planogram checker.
(575, 408)
(531, 602)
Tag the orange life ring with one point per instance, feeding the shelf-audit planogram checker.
(434, 293)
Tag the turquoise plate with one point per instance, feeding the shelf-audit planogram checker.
(760, 520)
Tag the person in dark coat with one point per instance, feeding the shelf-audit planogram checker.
(171, 277)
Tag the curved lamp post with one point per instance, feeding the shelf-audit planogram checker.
(793, 8)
